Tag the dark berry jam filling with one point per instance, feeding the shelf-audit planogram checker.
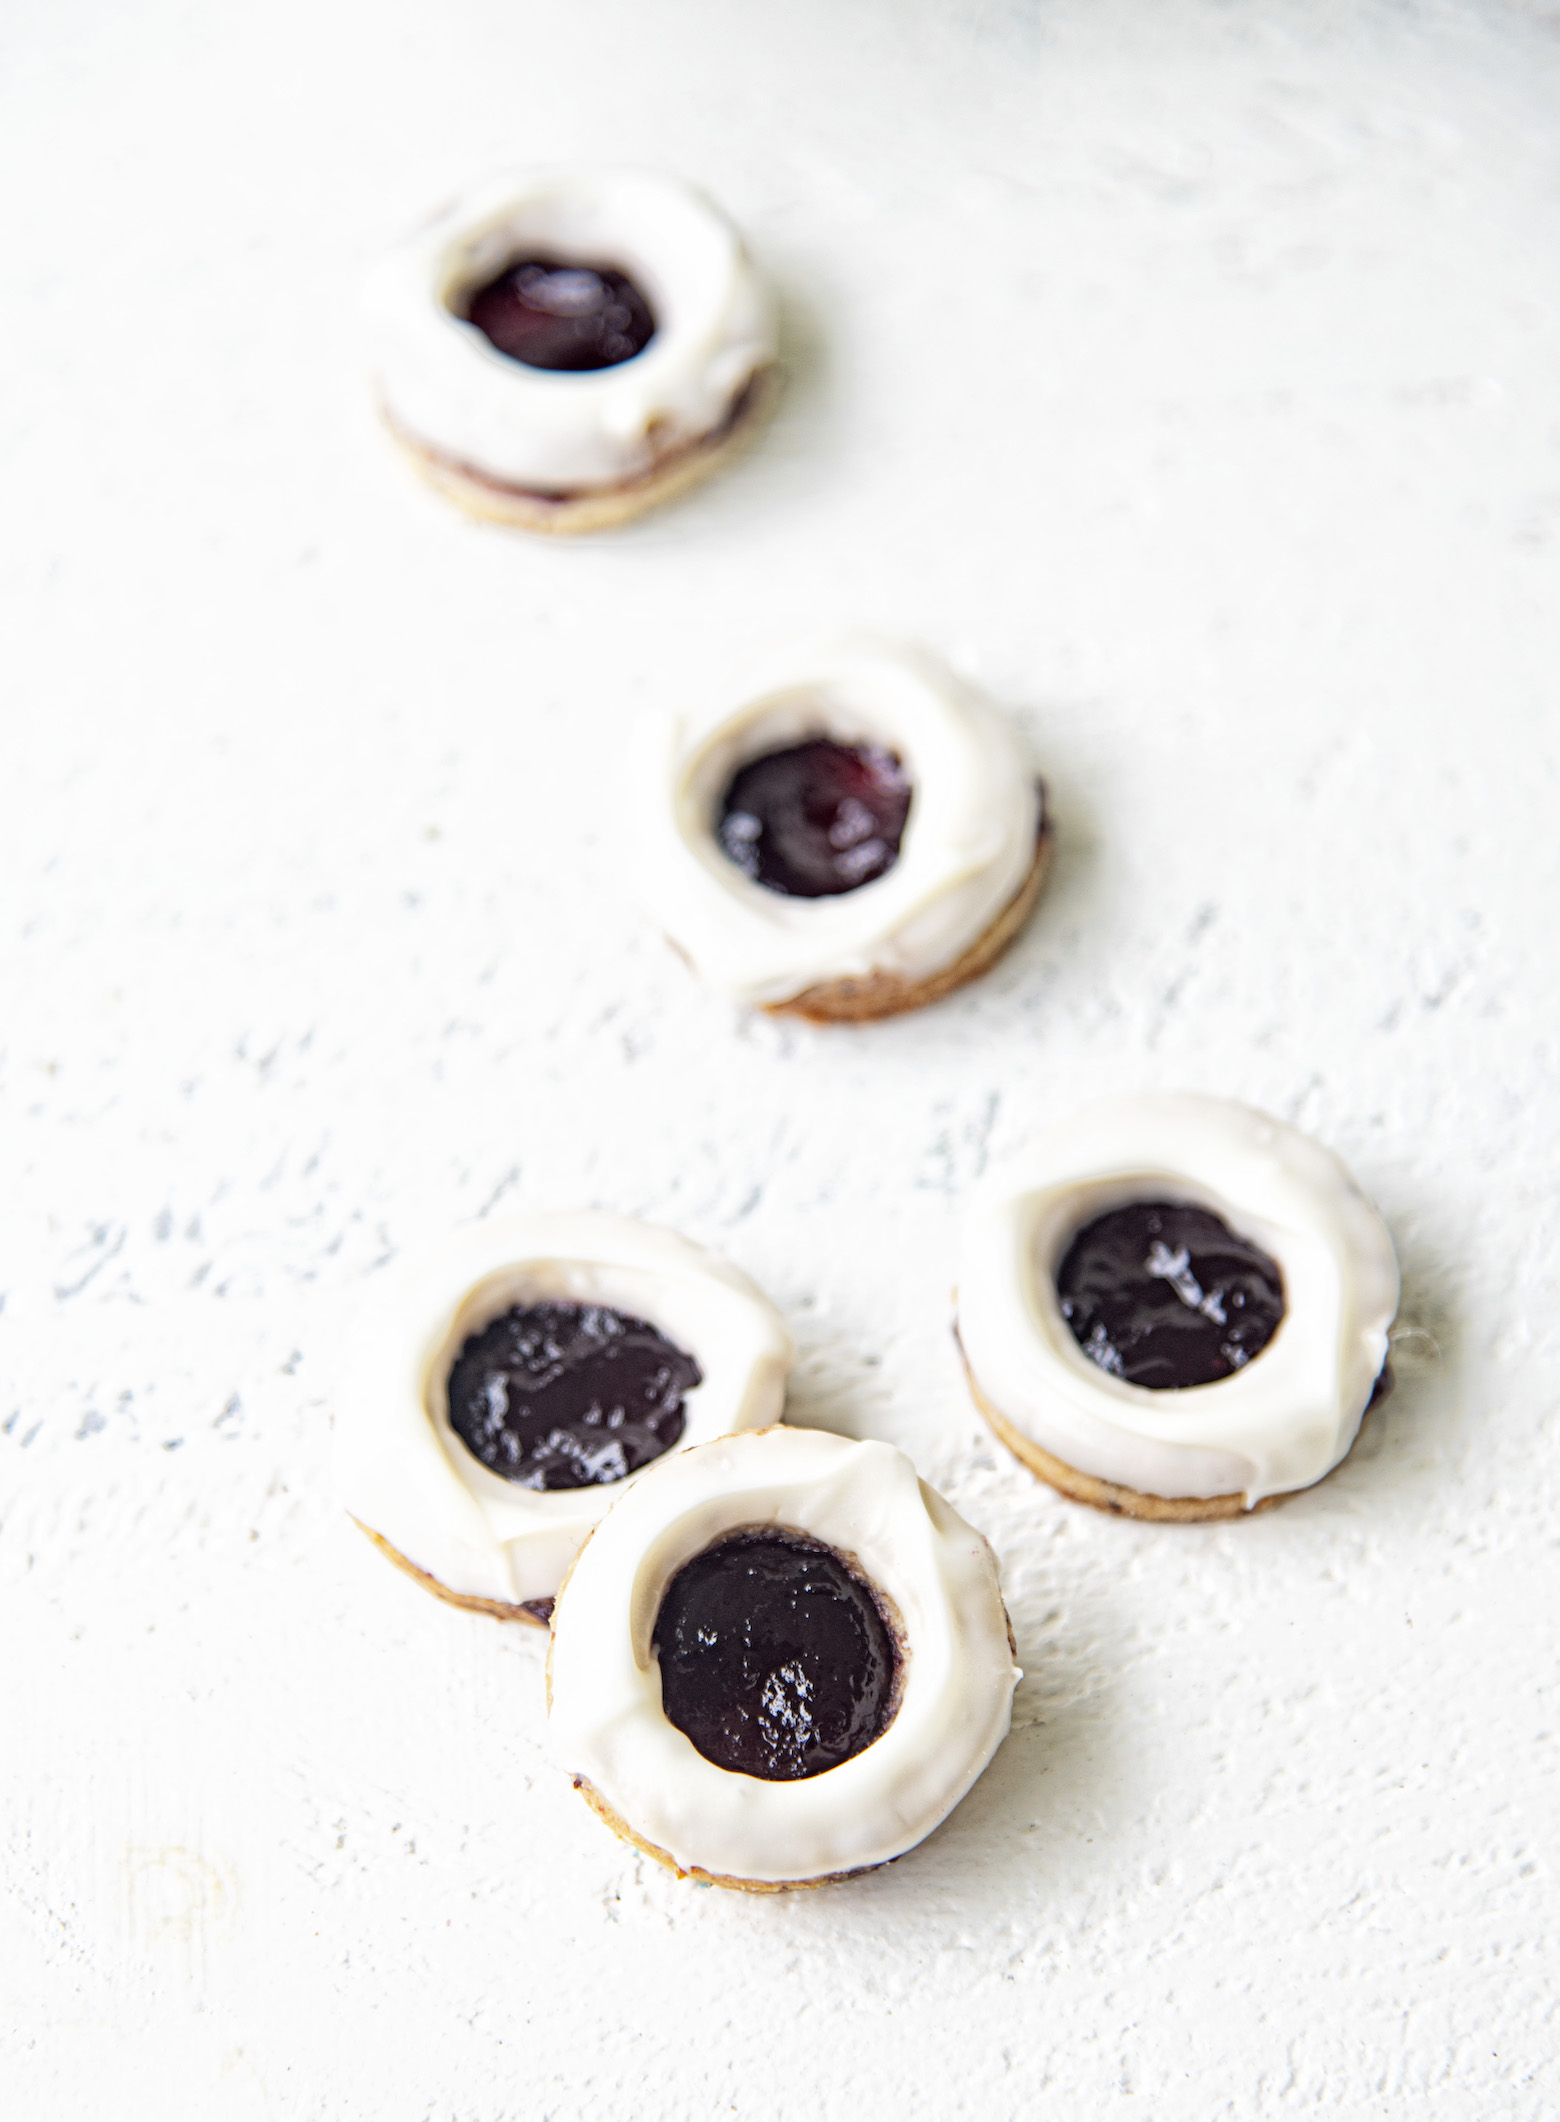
(1166, 1295)
(550, 315)
(817, 820)
(564, 1395)
(776, 1660)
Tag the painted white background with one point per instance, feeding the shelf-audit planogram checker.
(1191, 374)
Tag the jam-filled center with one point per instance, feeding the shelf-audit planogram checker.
(1166, 1295)
(775, 1657)
(818, 819)
(551, 315)
(564, 1395)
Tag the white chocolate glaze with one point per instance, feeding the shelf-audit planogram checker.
(446, 386)
(404, 1473)
(958, 1675)
(968, 844)
(1282, 1421)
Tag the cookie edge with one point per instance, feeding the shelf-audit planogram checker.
(471, 1601)
(873, 996)
(488, 500)
(1109, 1496)
(696, 1873)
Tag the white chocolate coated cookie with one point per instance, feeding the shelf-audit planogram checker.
(409, 1480)
(971, 849)
(1278, 1424)
(447, 390)
(938, 1578)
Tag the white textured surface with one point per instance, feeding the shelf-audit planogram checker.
(1243, 487)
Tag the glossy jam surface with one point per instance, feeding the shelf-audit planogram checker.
(564, 1395)
(1166, 1295)
(550, 315)
(775, 1659)
(818, 819)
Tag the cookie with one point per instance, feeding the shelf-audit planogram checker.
(782, 1659)
(501, 1390)
(858, 836)
(1176, 1307)
(563, 350)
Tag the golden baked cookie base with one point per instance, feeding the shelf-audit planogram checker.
(469, 1600)
(861, 1001)
(575, 515)
(1110, 1495)
(620, 1827)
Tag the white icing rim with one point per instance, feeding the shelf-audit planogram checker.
(404, 1473)
(1280, 1423)
(958, 1675)
(446, 386)
(968, 844)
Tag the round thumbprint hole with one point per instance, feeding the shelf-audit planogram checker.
(567, 1395)
(1165, 1295)
(776, 1659)
(818, 819)
(550, 315)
